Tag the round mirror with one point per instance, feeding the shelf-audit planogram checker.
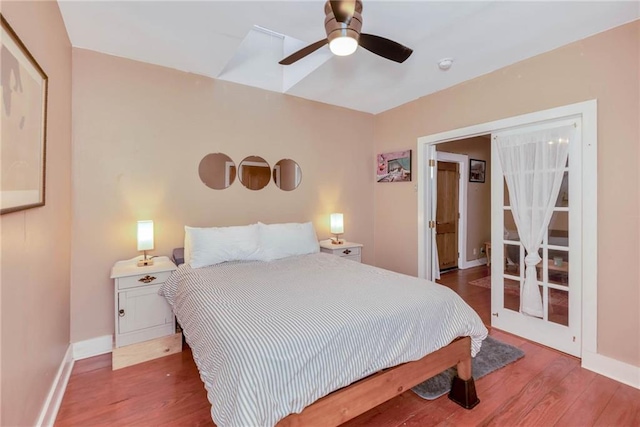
(217, 171)
(287, 174)
(254, 172)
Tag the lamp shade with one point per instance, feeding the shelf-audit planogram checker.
(145, 235)
(337, 223)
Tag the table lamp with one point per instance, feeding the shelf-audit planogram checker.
(337, 227)
(145, 241)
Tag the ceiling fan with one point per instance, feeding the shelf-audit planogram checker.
(342, 23)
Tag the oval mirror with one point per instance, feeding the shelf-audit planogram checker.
(254, 172)
(287, 174)
(217, 171)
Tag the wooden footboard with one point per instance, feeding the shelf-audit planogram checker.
(349, 402)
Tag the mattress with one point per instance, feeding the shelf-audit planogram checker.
(270, 338)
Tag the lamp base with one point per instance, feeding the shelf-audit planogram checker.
(145, 262)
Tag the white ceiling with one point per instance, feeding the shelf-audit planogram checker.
(218, 39)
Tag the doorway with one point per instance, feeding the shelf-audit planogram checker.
(474, 197)
(587, 151)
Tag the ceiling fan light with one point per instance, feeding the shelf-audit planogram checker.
(343, 46)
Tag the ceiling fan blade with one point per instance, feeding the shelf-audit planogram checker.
(343, 10)
(303, 52)
(385, 47)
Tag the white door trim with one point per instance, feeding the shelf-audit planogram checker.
(277, 181)
(227, 173)
(463, 163)
(588, 111)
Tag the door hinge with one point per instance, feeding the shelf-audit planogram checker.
(574, 339)
(432, 224)
(432, 162)
(458, 215)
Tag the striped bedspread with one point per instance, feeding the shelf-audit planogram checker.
(270, 338)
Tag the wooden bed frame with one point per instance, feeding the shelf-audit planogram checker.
(349, 402)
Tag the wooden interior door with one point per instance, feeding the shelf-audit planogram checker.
(255, 177)
(447, 215)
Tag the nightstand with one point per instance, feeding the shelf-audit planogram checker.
(145, 327)
(347, 250)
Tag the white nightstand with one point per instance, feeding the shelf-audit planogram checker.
(347, 250)
(144, 323)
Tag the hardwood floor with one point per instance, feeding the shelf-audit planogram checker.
(545, 388)
(477, 297)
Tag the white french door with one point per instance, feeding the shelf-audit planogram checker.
(559, 272)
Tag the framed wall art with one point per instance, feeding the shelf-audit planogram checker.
(24, 125)
(394, 167)
(477, 170)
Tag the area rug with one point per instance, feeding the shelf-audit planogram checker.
(558, 298)
(492, 356)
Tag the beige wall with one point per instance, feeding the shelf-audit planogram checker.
(603, 67)
(36, 242)
(140, 132)
(478, 194)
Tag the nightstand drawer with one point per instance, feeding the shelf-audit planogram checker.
(142, 280)
(347, 252)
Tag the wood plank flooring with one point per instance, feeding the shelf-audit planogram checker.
(545, 388)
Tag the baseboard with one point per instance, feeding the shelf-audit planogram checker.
(54, 398)
(612, 368)
(92, 347)
(473, 263)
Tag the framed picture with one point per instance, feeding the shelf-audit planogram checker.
(24, 125)
(477, 170)
(394, 167)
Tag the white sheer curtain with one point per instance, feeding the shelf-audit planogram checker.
(533, 164)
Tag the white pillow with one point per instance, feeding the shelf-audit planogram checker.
(284, 240)
(209, 246)
(187, 243)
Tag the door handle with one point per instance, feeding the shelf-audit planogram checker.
(121, 312)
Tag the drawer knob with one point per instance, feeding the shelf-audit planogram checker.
(146, 279)
(346, 251)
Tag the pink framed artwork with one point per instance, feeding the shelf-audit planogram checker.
(394, 167)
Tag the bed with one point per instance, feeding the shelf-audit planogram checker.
(316, 339)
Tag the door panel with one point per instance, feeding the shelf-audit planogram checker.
(255, 177)
(142, 308)
(447, 215)
(559, 280)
